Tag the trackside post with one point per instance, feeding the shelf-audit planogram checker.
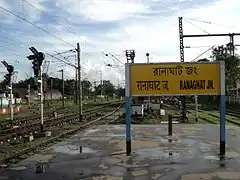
(222, 110)
(128, 101)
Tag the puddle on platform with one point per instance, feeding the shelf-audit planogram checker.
(189, 142)
(110, 160)
(115, 135)
(69, 149)
(156, 152)
(204, 146)
(90, 131)
(148, 137)
(119, 127)
(161, 140)
(117, 171)
(210, 157)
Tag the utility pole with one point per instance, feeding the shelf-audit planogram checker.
(62, 89)
(182, 60)
(106, 90)
(79, 83)
(8, 78)
(76, 82)
(82, 91)
(29, 94)
(149, 98)
(51, 89)
(95, 88)
(101, 84)
(38, 58)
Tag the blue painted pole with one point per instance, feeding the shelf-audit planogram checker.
(128, 124)
(222, 125)
(222, 111)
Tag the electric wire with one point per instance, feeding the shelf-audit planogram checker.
(66, 29)
(44, 30)
(197, 26)
(209, 22)
(53, 19)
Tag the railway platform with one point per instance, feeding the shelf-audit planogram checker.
(99, 153)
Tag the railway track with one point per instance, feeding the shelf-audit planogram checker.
(30, 128)
(7, 124)
(24, 152)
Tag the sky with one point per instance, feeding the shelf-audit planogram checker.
(110, 27)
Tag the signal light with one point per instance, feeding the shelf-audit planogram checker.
(10, 69)
(37, 58)
(7, 78)
(31, 57)
(36, 68)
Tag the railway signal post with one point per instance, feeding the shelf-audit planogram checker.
(8, 79)
(37, 60)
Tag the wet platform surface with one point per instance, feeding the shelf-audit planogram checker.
(192, 155)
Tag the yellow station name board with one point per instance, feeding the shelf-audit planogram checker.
(174, 79)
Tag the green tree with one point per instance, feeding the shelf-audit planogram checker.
(232, 69)
(120, 91)
(69, 87)
(24, 83)
(86, 87)
(106, 87)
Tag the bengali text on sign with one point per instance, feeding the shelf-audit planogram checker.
(181, 78)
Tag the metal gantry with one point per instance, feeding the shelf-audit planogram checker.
(182, 36)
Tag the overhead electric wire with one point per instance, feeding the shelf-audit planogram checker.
(209, 22)
(63, 56)
(197, 26)
(66, 29)
(114, 57)
(10, 43)
(58, 22)
(70, 64)
(203, 53)
(10, 48)
(53, 35)
(196, 46)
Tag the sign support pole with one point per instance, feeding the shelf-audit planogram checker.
(222, 110)
(128, 110)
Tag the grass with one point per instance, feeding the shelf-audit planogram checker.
(204, 116)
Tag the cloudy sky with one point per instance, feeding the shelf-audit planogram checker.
(110, 26)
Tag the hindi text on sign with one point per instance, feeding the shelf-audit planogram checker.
(152, 85)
